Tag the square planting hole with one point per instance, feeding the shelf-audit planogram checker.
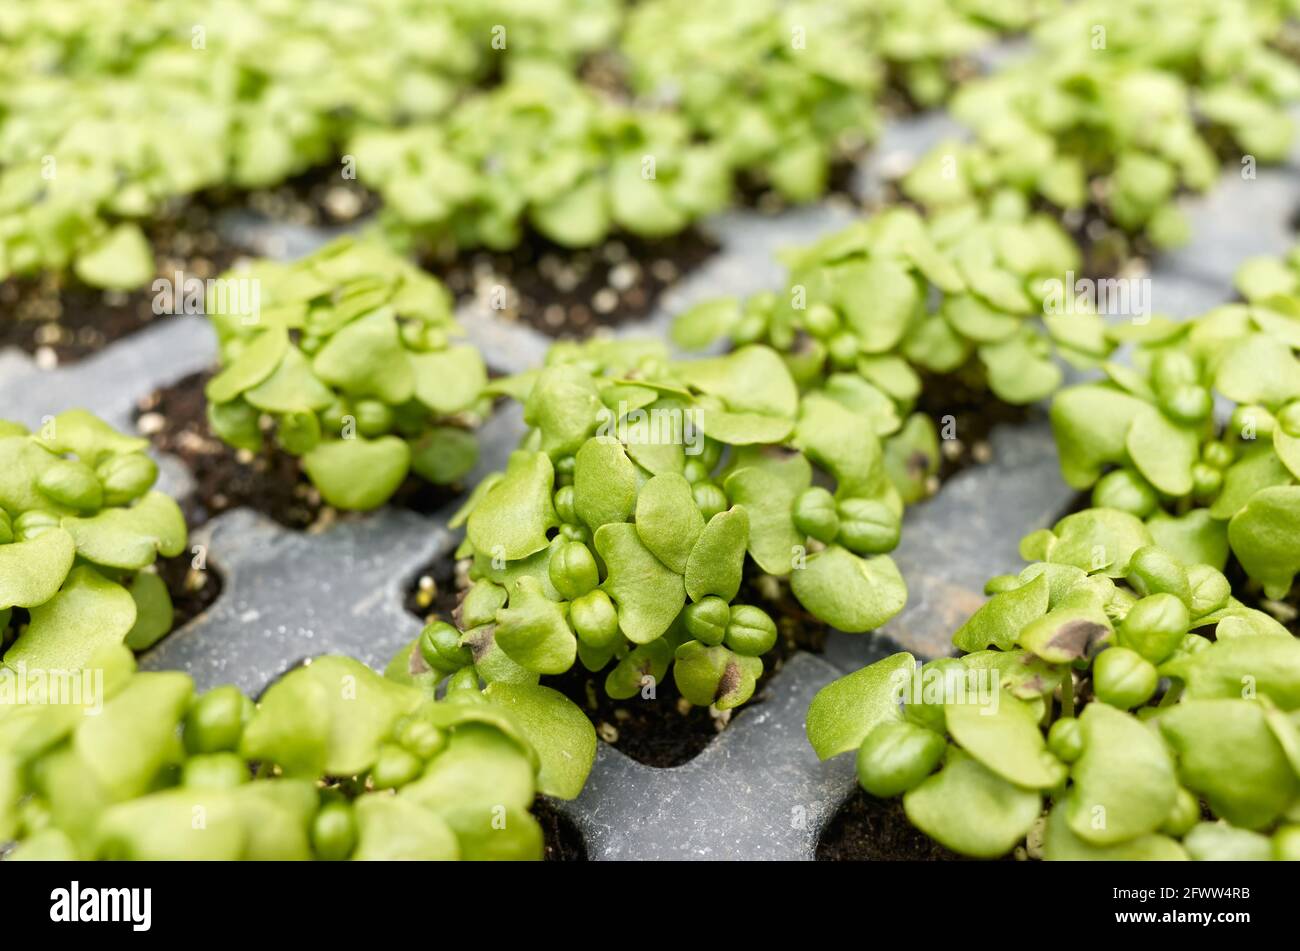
(663, 730)
(570, 294)
(269, 482)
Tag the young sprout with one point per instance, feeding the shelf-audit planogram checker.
(333, 762)
(80, 529)
(349, 354)
(1101, 704)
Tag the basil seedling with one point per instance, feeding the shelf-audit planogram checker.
(349, 764)
(349, 352)
(602, 549)
(1029, 735)
(80, 529)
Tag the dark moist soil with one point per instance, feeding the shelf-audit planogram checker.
(867, 829)
(435, 594)
(975, 411)
(60, 320)
(570, 294)
(192, 591)
(321, 198)
(564, 842)
(269, 482)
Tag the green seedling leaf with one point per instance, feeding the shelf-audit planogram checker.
(66, 631)
(120, 260)
(845, 711)
(767, 493)
(565, 407)
(291, 387)
(256, 360)
(1196, 538)
(1262, 537)
(1163, 452)
(358, 474)
(1060, 844)
(878, 299)
(751, 380)
(972, 810)
(831, 435)
(1091, 425)
(125, 746)
(1257, 469)
(717, 560)
(444, 454)
(482, 765)
(328, 718)
(699, 326)
(604, 483)
(31, 572)
(1245, 666)
(648, 594)
(561, 734)
(850, 593)
(1098, 540)
(1018, 373)
(1124, 784)
(153, 611)
(513, 517)
(998, 622)
(1228, 754)
(130, 538)
(366, 358)
(533, 631)
(1217, 842)
(668, 521)
(394, 828)
(1258, 369)
(1003, 734)
(448, 381)
(715, 676)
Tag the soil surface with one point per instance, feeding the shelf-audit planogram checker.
(435, 594)
(269, 482)
(868, 829)
(975, 411)
(193, 591)
(60, 320)
(665, 731)
(564, 842)
(570, 294)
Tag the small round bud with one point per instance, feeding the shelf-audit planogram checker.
(896, 756)
(215, 771)
(815, 514)
(707, 620)
(1154, 627)
(395, 767)
(215, 721)
(1127, 491)
(441, 648)
(867, 526)
(1123, 678)
(334, 832)
(594, 619)
(750, 631)
(1065, 740)
(573, 569)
